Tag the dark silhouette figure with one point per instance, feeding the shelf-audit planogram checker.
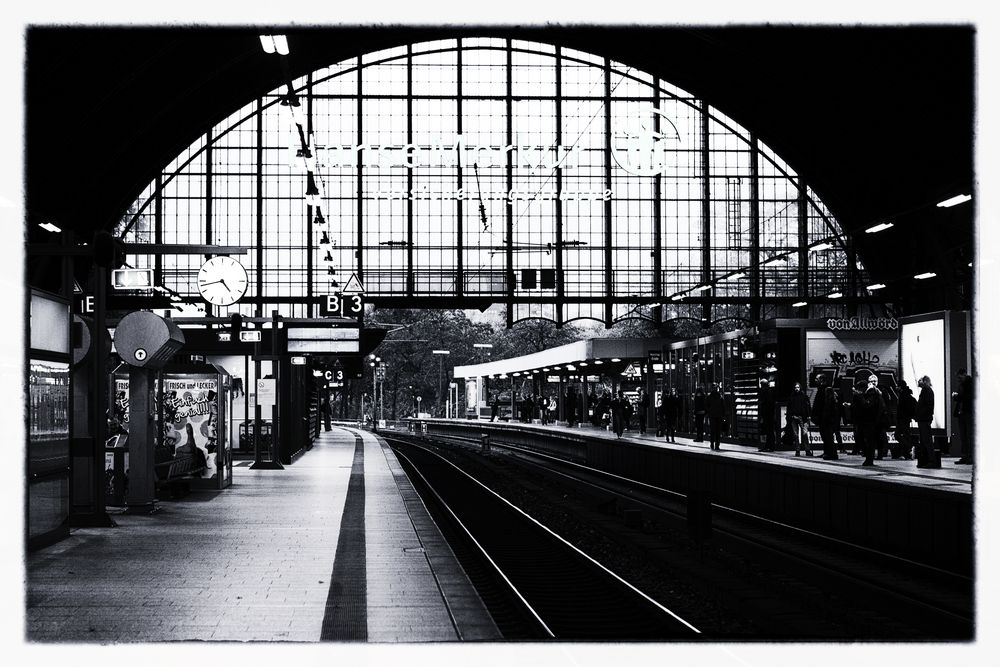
(715, 407)
(699, 414)
(797, 414)
(572, 398)
(964, 402)
(669, 411)
(824, 415)
(495, 407)
(765, 415)
(904, 415)
(924, 415)
(643, 411)
(619, 413)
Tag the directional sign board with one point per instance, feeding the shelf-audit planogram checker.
(325, 340)
(132, 278)
(266, 391)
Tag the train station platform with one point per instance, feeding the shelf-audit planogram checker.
(336, 547)
(922, 514)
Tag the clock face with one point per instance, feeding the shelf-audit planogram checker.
(222, 281)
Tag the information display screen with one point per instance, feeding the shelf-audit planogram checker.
(922, 351)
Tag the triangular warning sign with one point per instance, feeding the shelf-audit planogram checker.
(76, 288)
(353, 285)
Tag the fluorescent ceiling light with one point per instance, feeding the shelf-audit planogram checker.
(49, 227)
(677, 297)
(821, 246)
(774, 260)
(556, 368)
(876, 286)
(545, 370)
(834, 295)
(954, 201)
(922, 276)
(799, 304)
(702, 288)
(267, 43)
(440, 351)
(598, 362)
(736, 276)
(482, 345)
(615, 360)
(878, 228)
(583, 363)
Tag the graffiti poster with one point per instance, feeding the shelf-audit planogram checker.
(190, 421)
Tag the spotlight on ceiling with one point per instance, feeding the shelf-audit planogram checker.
(834, 295)
(924, 276)
(799, 304)
(954, 201)
(876, 286)
(49, 227)
(878, 228)
(821, 246)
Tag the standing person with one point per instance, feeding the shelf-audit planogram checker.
(765, 416)
(325, 408)
(838, 417)
(858, 406)
(964, 402)
(699, 413)
(593, 406)
(924, 415)
(904, 415)
(543, 408)
(571, 401)
(715, 408)
(797, 413)
(873, 418)
(604, 409)
(495, 406)
(670, 409)
(618, 406)
(643, 405)
(824, 415)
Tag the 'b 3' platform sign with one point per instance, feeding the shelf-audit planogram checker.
(342, 305)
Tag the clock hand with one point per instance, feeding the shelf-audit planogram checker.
(212, 283)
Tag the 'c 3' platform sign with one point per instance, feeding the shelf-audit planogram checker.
(640, 145)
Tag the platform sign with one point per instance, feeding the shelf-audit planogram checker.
(225, 336)
(252, 336)
(266, 391)
(132, 278)
(342, 305)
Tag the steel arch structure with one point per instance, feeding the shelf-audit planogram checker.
(465, 172)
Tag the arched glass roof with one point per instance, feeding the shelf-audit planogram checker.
(464, 172)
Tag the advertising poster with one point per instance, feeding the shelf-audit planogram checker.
(190, 419)
(923, 354)
(471, 394)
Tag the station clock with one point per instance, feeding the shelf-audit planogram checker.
(222, 281)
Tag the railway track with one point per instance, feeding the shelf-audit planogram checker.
(540, 585)
(911, 600)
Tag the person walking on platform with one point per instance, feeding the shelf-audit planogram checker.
(619, 406)
(765, 416)
(715, 408)
(904, 415)
(797, 414)
(964, 402)
(824, 415)
(643, 410)
(670, 409)
(924, 415)
(699, 414)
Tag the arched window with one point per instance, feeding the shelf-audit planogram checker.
(484, 170)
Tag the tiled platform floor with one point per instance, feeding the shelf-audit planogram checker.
(255, 563)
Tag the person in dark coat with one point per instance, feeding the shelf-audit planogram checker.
(670, 409)
(619, 407)
(904, 415)
(699, 413)
(642, 405)
(824, 415)
(593, 404)
(765, 416)
(858, 406)
(715, 408)
(495, 406)
(571, 400)
(797, 415)
(838, 419)
(924, 415)
(964, 402)
(872, 422)
(543, 409)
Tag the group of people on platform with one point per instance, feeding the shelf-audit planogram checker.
(868, 414)
(871, 420)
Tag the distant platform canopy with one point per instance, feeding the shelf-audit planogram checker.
(596, 356)
(465, 172)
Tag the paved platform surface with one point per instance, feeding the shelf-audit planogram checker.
(335, 547)
(949, 477)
